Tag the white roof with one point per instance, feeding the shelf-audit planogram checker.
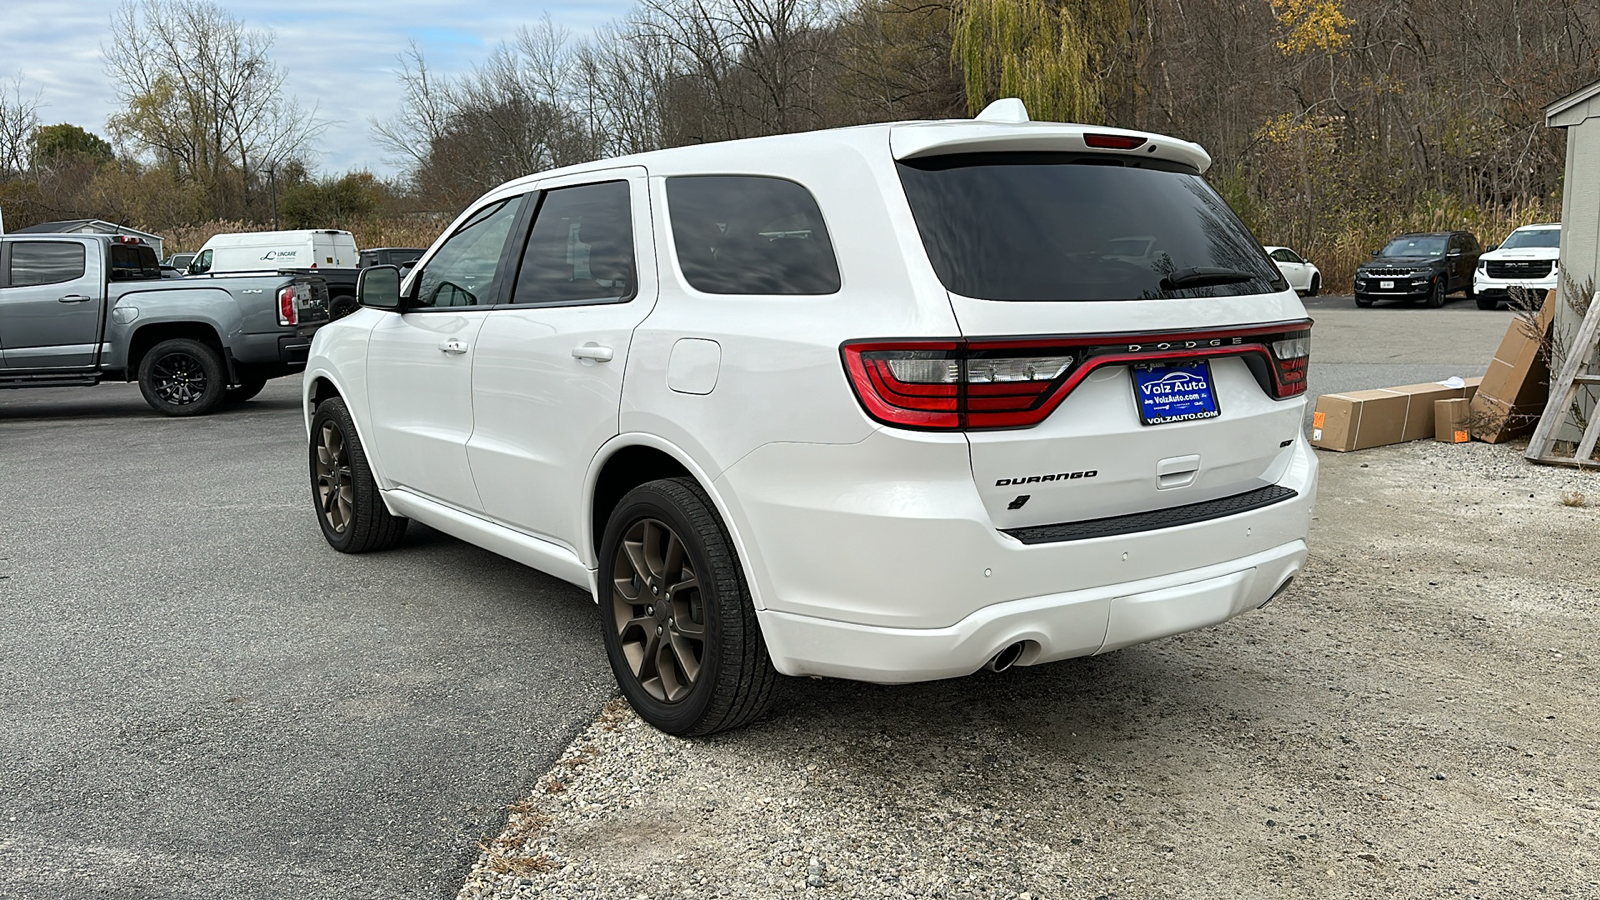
(902, 140)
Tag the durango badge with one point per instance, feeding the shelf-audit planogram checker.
(1038, 479)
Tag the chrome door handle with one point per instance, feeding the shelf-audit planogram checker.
(74, 298)
(592, 351)
(454, 346)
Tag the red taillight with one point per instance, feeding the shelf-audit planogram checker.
(1114, 141)
(972, 385)
(287, 314)
(1291, 356)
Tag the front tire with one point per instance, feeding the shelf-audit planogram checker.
(1488, 303)
(680, 629)
(182, 377)
(1316, 285)
(349, 507)
(341, 306)
(1364, 302)
(1436, 293)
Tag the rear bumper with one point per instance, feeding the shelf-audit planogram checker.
(878, 561)
(1051, 627)
(288, 349)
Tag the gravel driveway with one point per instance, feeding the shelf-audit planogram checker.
(1416, 718)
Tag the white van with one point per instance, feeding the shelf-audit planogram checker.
(253, 251)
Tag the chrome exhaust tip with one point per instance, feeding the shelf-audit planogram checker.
(1277, 593)
(1006, 658)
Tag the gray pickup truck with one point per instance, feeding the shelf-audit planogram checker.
(81, 309)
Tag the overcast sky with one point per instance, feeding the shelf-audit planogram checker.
(341, 55)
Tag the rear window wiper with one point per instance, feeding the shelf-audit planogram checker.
(1202, 276)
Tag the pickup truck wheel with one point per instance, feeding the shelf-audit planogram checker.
(341, 306)
(248, 387)
(680, 629)
(182, 377)
(349, 508)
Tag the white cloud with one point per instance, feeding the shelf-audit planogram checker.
(341, 56)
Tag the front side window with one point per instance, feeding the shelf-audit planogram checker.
(462, 272)
(1080, 227)
(1287, 256)
(46, 262)
(742, 234)
(201, 264)
(581, 247)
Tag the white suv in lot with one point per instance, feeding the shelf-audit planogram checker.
(889, 403)
(1528, 262)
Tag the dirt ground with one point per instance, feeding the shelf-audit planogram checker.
(1417, 718)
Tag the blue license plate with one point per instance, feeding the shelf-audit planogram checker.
(1175, 393)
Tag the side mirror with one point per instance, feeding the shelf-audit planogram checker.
(379, 287)
(1376, 252)
(1492, 247)
(1456, 252)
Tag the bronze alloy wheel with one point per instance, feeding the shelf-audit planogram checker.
(179, 378)
(659, 610)
(335, 492)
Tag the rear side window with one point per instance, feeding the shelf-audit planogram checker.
(581, 247)
(42, 262)
(745, 234)
(1069, 227)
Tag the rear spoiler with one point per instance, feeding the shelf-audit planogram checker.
(976, 136)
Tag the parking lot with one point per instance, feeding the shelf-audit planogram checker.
(198, 698)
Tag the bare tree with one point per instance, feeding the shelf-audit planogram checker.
(19, 118)
(203, 97)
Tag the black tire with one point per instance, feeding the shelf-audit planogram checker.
(1436, 293)
(1488, 303)
(349, 508)
(182, 377)
(341, 306)
(249, 386)
(733, 681)
(1316, 285)
(1364, 302)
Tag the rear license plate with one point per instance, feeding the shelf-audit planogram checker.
(1386, 285)
(1175, 393)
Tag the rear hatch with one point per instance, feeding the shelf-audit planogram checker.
(1126, 345)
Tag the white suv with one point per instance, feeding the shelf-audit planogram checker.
(889, 403)
(1528, 262)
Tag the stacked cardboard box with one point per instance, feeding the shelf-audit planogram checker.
(1514, 390)
(1357, 420)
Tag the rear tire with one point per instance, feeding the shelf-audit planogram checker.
(182, 377)
(349, 507)
(679, 626)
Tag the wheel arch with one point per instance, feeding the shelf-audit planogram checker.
(147, 336)
(629, 460)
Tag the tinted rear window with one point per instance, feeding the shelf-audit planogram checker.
(1061, 227)
(742, 234)
(133, 262)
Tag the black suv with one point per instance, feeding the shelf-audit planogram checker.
(1423, 267)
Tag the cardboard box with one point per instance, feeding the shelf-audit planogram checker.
(1450, 418)
(1514, 390)
(1357, 420)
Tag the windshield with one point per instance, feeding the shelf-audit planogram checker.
(1061, 226)
(1415, 245)
(1533, 237)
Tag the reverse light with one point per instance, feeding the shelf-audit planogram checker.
(287, 313)
(965, 385)
(1114, 141)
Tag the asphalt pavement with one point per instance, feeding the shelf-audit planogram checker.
(200, 699)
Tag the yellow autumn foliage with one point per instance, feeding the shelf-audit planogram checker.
(1312, 25)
